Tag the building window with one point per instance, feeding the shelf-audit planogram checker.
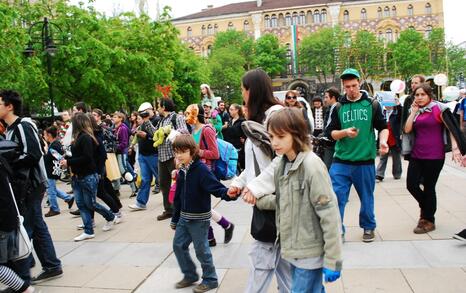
(209, 50)
(302, 18)
(287, 19)
(363, 14)
(386, 12)
(346, 16)
(295, 18)
(215, 28)
(389, 35)
(210, 29)
(380, 36)
(273, 21)
(230, 26)
(323, 16)
(203, 30)
(410, 10)
(309, 16)
(246, 25)
(281, 20)
(316, 16)
(189, 32)
(428, 8)
(393, 11)
(411, 27)
(267, 21)
(379, 12)
(428, 31)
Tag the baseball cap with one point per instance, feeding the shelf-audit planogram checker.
(145, 106)
(208, 104)
(350, 72)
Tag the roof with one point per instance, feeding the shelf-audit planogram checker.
(251, 6)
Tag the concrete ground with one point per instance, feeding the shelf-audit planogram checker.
(136, 256)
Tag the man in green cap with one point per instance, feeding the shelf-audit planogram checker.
(352, 124)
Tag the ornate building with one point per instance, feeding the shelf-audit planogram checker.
(384, 18)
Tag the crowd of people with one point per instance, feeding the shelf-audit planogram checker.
(298, 196)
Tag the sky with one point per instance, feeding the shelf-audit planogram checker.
(455, 11)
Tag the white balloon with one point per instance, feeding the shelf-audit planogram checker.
(451, 93)
(397, 86)
(441, 79)
(128, 177)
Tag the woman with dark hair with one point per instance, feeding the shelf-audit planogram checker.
(133, 121)
(233, 133)
(85, 178)
(291, 100)
(260, 105)
(428, 122)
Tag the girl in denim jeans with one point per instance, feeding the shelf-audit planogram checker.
(85, 178)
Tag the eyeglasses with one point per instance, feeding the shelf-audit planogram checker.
(291, 97)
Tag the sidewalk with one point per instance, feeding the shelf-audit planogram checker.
(136, 256)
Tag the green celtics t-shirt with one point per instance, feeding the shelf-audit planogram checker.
(361, 148)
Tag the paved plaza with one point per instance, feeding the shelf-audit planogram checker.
(136, 256)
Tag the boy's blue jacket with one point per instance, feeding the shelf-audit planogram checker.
(193, 190)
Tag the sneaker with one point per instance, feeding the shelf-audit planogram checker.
(134, 194)
(75, 212)
(51, 213)
(70, 203)
(378, 178)
(204, 287)
(461, 236)
(84, 236)
(397, 177)
(46, 276)
(165, 215)
(368, 235)
(81, 226)
(185, 283)
(118, 218)
(156, 189)
(137, 207)
(212, 242)
(109, 225)
(229, 233)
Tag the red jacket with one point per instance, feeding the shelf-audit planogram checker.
(208, 146)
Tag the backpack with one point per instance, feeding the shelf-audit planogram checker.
(109, 140)
(224, 168)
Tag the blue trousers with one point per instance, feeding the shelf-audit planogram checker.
(188, 231)
(306, 281)
(363, 179)
(149, 169)
(53, 192)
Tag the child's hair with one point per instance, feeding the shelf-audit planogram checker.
(52, 131)
(120, 115)
(185, 142)
(291, 120)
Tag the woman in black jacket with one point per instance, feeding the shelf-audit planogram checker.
(84, 167)
(233, 133)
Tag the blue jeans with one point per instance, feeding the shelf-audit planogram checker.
(148, 165)
(85, 191)
(363, 179)
(306, 281)
(188, 231)
(53, 193)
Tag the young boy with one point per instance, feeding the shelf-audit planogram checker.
(192, 213)
(52, 166)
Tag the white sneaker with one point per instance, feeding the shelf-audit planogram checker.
(84, 236)
(118, 218)
(137, 207)
(81, 226)
(108, 226)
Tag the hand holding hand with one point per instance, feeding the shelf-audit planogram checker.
(233, 191)
(331, 276)
(248, 197)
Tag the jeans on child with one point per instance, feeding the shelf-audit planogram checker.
(53, 192)
(306, 281)
(194, 231)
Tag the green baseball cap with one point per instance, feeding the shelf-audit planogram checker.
(350, 72)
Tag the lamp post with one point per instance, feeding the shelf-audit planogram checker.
(44, 33)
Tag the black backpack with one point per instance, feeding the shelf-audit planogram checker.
(109, 140)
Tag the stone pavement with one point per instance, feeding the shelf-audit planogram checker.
(136, 256)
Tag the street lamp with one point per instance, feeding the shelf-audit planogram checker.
(43, 33)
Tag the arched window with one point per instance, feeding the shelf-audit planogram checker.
(267, 21)
(230, 26)
(316, 16)
(281, 20)
(411, 27)
(428, 8)
(273, 21)
(379, 12)
(203, 30)
(309, 16)
(209, 50)
(389, 35)
(363, 14)
(287, 19)
(394, 11)
(215, 28)
(346, 16)
(323, 16)
(210, 30)
(428, 31)
(386, 12)
(189, 32)
(380, 36)
(295, 18)
(302, 18)
(246, 25)
(410, 10)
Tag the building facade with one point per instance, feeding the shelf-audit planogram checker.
(384, 18)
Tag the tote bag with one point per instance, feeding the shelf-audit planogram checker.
(111, 167)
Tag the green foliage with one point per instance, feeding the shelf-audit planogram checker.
(270, 56)
(456, 62)
(437, 50)
(238, 41)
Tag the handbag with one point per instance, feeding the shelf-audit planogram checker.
(23, 243)
(263, 226)
(111, 167)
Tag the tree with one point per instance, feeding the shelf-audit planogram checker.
(437, 50)
(239, 41)
(270, 56)
(410, 54)
(456, 62)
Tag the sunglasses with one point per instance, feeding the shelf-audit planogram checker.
(291, 97)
